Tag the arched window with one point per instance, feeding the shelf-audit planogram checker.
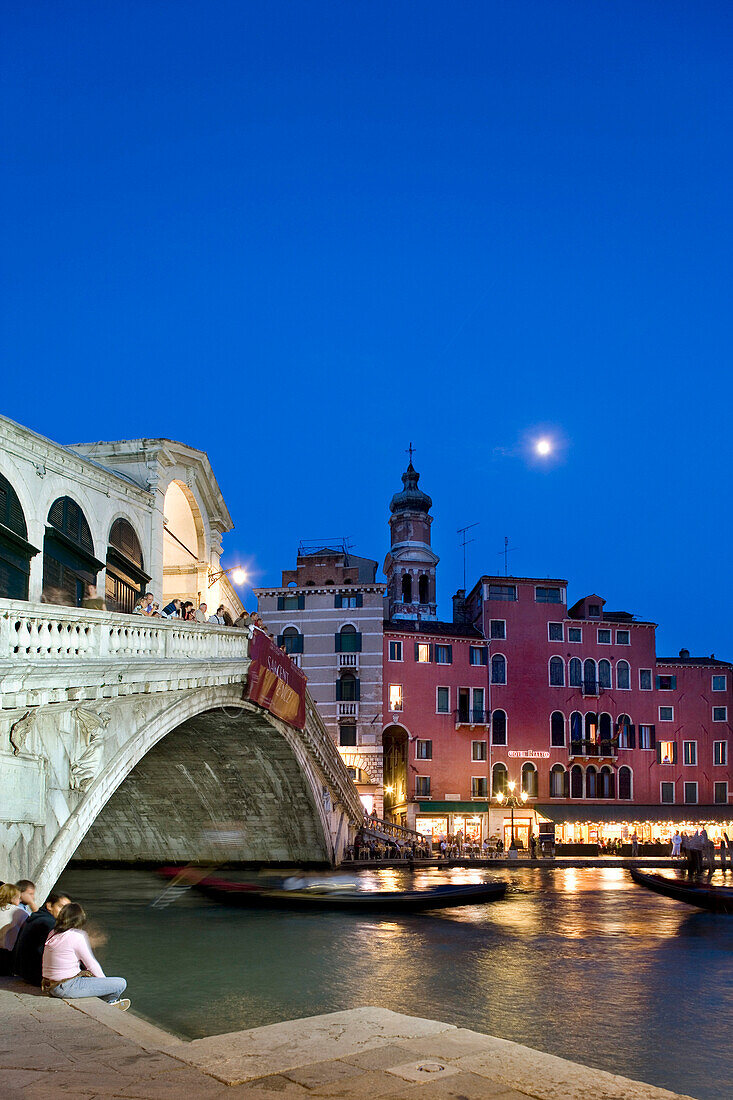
(498, 727)
(606, 783)
(625, 732)
(591, 785)
(576, 673)
(591, 726)
(590, 686)
(423, 589)
(498, 780)
(529, 779)
(576, 781)
(69, 565)
(576, 727)
(624, 782)
(623, 675)
(15, 550)
(348, 640)
(558, 782)
(557, 672)
(406, 588)
(557, 729)
(604, 729)
(604, 674)
(292, 639)
(498, 669)
(126, 578)
(347, 688)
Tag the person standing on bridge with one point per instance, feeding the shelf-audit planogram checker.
(67, 950)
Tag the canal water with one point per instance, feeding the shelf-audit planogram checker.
(576, 962)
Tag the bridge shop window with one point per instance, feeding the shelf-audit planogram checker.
(291, 639)
(15, 550)
(347, 734)
(69, 564)
(126, 578)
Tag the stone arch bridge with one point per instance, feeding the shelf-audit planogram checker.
(129, 738)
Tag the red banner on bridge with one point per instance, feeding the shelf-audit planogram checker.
(275, 682)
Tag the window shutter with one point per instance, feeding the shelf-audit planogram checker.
(280, 639)
(653, 737)
(631, 731)
(673, 681)
(657, 681)
(430, 653)
(659, 753)
(566, 784)
(449, 649)
(337, 643)
(359, 599)
(417, 652)
(674, 752)
(281, 603)
(357, 643)
(338, 689)
(357, 690)
(301, 601)
(337, 601)
(298, 643)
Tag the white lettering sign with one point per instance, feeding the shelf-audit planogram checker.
(530, 754)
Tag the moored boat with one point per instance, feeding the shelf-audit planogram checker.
(717, 899)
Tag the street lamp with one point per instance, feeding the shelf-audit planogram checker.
(513, 801)
(238, 575)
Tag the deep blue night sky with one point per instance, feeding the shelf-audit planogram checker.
(300, 235)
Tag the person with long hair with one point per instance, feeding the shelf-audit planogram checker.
(12, 916)
(70, 968)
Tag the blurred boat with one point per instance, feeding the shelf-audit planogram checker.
(717, 899)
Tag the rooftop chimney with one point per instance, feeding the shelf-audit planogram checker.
(684, 654)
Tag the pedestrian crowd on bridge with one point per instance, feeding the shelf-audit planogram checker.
(47, 946)
(185, 611)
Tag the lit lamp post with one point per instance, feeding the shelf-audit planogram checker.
(238, 575)
(513, 801)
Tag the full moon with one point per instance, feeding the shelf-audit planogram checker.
(543, 446)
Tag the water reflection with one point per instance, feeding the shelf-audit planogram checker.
(578, 962)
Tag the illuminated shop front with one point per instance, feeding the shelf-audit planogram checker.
(443, 819)
(652, 824)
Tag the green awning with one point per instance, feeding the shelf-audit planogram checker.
(632, 813)
(453, 807)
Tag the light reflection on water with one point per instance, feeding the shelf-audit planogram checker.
(578, 962)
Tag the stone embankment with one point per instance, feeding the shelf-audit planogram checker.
(87, 1049)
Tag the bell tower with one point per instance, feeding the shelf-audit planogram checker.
(410, 563)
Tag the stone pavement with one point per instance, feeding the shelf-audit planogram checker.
(87, 1049)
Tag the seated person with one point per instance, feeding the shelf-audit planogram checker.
(32, 937)
(27, 895)
(12, 917)
(68, 951)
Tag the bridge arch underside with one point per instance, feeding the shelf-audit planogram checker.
(221, 786)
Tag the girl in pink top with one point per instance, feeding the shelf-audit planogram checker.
(67, 952)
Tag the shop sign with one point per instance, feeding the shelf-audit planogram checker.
(530, 754)
(274, 682)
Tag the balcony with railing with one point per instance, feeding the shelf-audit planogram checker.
(605, 749)
(347, 709)
(470, 716)
(348, 660)
(590, 687)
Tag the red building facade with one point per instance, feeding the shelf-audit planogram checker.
(571, 705)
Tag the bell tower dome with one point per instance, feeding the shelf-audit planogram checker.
(410, 563)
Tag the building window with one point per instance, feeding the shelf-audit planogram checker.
(291, 603)
(647, 737)
(497, 629)
(291, 639)
(719, 683)
(721, 793)
(502, 591)
(422, 653)
(690, 793)
(498, 779)
(576, 727)
(666, 714)
(666, 752)
(423, 589)
(498, 669)
(720, 753)
(423, 750)
(477, 655)
(442, 701)
(604, 636)
(406, 588)
(575, 634)
(626, 733)
(479, 786)
(666, 792)
(395, 697)
(498, 727)
(554, 632)
(623, 676)
(347, 688)
(689, 753)
(576, 781)
(591, 782)
(623, 637)
(478, 705)
(557, 729)
(422, 786)
(548, 595)
(348, 640)
(529, 780)
(666, 683)
(347, 600)
(720, 714)
(395, 651)
(478, 750)
(606, 783)
(590, 684)
(559, 782)
(347, 734)
(594, 610)
(604, 673)
(444, 654)
(576, 672)
(624, 782)
(557, 672)
(645, 679)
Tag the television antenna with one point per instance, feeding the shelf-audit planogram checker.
(464, 543)
(506, 552)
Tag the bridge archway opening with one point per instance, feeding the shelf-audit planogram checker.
(184, 545)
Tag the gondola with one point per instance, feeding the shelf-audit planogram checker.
(718, 899)
(326, 895)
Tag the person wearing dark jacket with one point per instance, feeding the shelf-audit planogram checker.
(28, 951)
